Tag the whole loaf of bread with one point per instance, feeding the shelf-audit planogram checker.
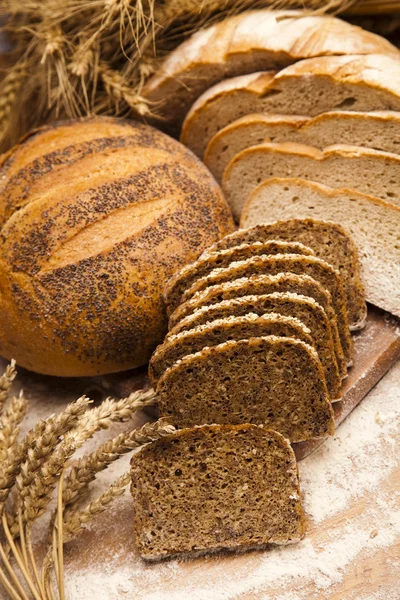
(95, 217)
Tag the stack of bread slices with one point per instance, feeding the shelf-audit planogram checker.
(297, 116)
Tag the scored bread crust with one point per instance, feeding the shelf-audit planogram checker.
(251, 41)
(90, 232)
(307, 88)
(376, 129)
(240, 370)
(329, 242)
(216, 332)
(368, 171)
(284, 263)
(286, 303)
(149, 486)
(372, 223)
(303, 285)
(208, 261)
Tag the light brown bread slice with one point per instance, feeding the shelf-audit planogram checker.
(304, 308)
(249, 42)
(378, 130)
(275, 381)
(216, 332)
(329, 241)
(183, 279)
(308, 87)
(303, 285)
(373, 224)
(289, 263)
(368, 171)
(209, 488)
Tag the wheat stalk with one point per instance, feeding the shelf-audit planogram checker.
(9, 426)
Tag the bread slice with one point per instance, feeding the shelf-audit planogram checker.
(183, 279)
(304, 308)
(329, 241)
(215, 487)
(309, 87)
(216, 332)
(275, 381)
(266, 284)
(290, 263)
(373, 224)
(378, 130)
(368, 171)
(249, 42)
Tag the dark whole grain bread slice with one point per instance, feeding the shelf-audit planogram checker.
(275, 381)
(329, 242)
(216, 332)
(266, 284)
(215, 487)
(207, 262)
(287, 263)
(303, 308)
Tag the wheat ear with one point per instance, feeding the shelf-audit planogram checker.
(6, 381)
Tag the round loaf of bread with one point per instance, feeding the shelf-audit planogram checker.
(95, 217)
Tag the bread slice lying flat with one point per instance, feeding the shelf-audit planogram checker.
(209, 488)
(309, 87)
(183, 279)
(216, 332)
(368, 171)
(373, 224)
(249, 42)
(288, 304)
(377, 130)
(289, 263)
(329, 241)
(266, 284)
(275, 381)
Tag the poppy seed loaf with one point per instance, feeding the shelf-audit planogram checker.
(274, 381)
(293, 305)
(266, 284)
(209, 261)
(216, 332)
(215, 487)
(95, 216)
(329, 242)
(289, 263)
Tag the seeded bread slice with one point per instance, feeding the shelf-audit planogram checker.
(275, 381)
(216, 332)
(303, 308)
(308, 87)
(368, 171)
(183, 279)
(378, 130)
(329, 241)
(373, 224)
(209, 488)
(287, 263)
(267, 284)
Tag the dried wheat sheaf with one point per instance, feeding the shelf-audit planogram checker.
(86, 57)
(38, 467)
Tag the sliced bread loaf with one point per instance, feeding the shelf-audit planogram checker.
(210, 488)
(290, 263)
(305, 309)
(329, 241)
(373, 224)
(308, 87)
(183, 279)
(266, 284)
(368, 171)
(378, 130)
(216, 332)
(249, 42)
(274, 381)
